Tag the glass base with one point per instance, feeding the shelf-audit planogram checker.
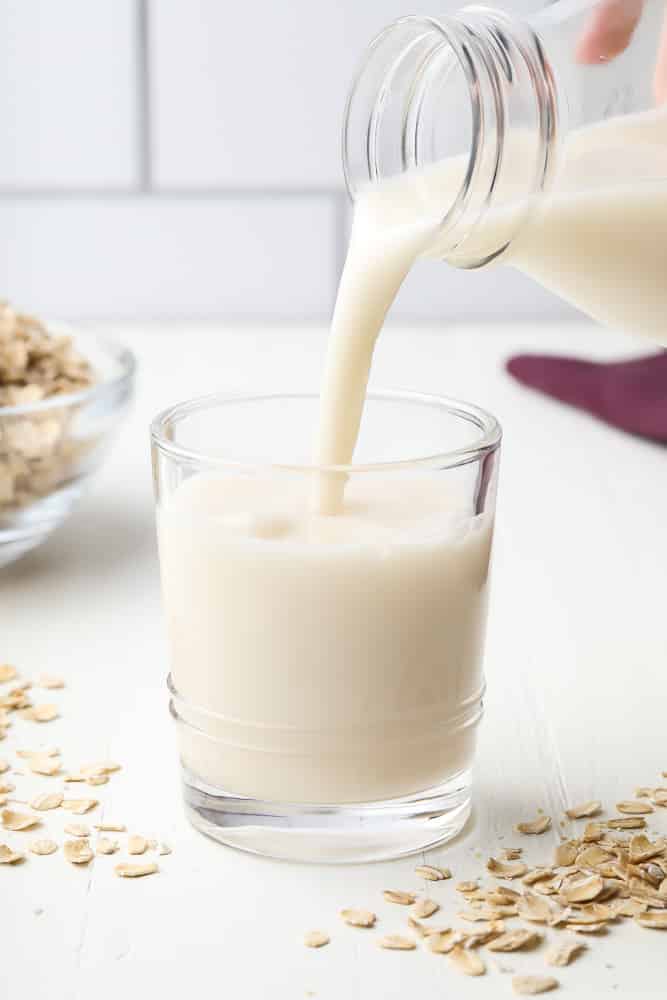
(330, 834)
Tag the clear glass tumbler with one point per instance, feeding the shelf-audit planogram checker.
(326, 670)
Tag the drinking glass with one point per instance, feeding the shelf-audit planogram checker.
(326, 670)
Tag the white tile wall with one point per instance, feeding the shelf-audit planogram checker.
(169, 257)
(266, 86)
(174, 158)
(68, 79)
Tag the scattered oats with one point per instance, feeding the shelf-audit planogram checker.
(18, 821)
(627, 823)
(397, 896)
(506, 869)
(432, 873)
(47, 800)
(503, 894)
(4, 765)
(465, 887)
(7, 673)
(534, 908)
(537, 875)
(483, 913)
(562, 953)
(422, 929)
(482, 935)
(658, 921)
(593, 913)
(397, 942)
(50, 682)
(425, 908)
(511, 853)
(80, 806)
(566, 853)
(41, 763)
(642, 849)
(515, 940)
(358, 918)
(316, 939)
(43, 846)
(467, 962)
(136, 845)
(6, 787)
(591, 808)
(443, 942)
(78, 852)
(75, 776)
(629, 907)
(582, 890)
(151, 845)
(587, 928)
(8, 856)
(124, 870)
(592, 833)
(77, 830)
(592, 856)
(97, 779)
(633, 807)
(40, 713)
(659, 797)
(164, 848)
(532, 985)
(106, 846)
(110, 827)
(426, 930)
(539, 825)
(101, 767)
(46, 752)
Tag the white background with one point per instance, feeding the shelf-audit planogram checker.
(180, 158)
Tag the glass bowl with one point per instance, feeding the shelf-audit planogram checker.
(50, 449)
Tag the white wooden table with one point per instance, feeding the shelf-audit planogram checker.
(576, 666)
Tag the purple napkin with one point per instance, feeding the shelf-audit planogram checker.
(631, 395)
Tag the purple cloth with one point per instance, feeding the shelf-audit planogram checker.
(631, 395)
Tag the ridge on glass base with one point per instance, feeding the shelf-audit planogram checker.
(358, 832)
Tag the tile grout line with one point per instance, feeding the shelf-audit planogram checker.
(143, 98)
(174, 193)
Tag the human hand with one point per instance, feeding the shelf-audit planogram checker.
(609, 33)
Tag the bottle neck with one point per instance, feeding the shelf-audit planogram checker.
(475, 92)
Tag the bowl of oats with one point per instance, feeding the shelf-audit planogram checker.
(62, 396)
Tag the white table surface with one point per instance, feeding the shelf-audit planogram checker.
(575, 710)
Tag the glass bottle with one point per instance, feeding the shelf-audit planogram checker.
(502, 97)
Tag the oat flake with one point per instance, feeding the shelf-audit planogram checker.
(18, 821)
(467, 962)
(316, 939)
(47, 800)
(358, 918)
(78, 852)
(532, 985)
(397, 896)
(43, 847)
(397, 942)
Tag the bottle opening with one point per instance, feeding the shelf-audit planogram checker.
(411, 105)
(464, 102)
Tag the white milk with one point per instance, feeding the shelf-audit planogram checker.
(599, 241)
(341, 656)
(333, 659)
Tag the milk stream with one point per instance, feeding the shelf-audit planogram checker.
(599, 241)
(332, 659)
